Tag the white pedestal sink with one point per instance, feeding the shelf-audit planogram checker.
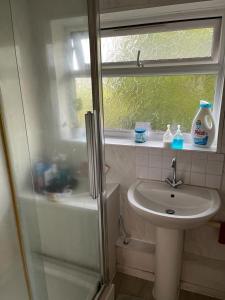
(172, 211)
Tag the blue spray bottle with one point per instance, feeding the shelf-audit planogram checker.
(178, 139)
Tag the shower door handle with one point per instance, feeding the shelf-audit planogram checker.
(92, 151)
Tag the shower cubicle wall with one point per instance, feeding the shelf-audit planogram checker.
(48, 83)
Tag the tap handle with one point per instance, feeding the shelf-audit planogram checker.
(173, 163)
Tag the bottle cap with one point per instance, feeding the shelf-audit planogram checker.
(140, 130)
(205, 104)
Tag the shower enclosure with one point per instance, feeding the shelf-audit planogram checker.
(51, 116)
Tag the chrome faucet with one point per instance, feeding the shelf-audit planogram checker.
(174, 183)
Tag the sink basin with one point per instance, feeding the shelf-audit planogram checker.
(172, 211)
(181, 208)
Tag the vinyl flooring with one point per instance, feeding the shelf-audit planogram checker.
(132, 288)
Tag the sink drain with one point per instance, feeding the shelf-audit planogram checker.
(170, 211)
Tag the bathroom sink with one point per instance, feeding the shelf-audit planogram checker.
(181, 208)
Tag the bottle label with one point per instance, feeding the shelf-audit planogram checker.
(200, 135)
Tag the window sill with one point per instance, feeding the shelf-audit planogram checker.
(149, 144)
(154, 144)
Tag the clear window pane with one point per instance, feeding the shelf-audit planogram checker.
(160, 100)
(178, 44)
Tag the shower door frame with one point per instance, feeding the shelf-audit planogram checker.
(96, 76)
(95, 63)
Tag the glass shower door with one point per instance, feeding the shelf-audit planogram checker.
(59, 189)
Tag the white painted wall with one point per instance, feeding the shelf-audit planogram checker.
(12, 280)
(14, 104)
(27, 62)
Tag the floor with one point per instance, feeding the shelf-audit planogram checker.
(132, 288)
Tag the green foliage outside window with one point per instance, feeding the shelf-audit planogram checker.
(160, 100)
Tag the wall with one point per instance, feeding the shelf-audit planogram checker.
(27, 61)
(129, 162)
(12, 280)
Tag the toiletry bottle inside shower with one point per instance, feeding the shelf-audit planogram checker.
(39, 176)
(64, 171)
(178, 139)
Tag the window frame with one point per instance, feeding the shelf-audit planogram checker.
(166, 27)
(207, 65)
(172, 13)
(167, 66)
(197, 65)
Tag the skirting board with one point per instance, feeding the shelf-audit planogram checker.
(137, 259)
(109, 293)
(184, 285)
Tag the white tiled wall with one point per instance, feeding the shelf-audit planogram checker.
(197, 168)
(127, 163)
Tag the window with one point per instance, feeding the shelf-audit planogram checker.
(180, 62)
(178, 65)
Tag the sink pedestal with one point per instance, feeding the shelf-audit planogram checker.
(169, 250)
(172, 211)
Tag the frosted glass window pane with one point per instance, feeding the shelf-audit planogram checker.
(186, 43)
(160, 100)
